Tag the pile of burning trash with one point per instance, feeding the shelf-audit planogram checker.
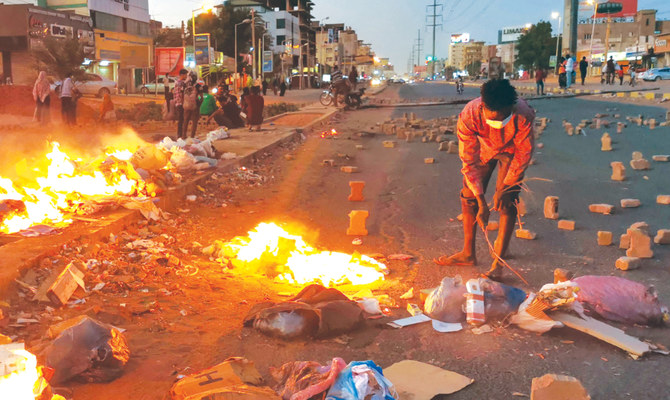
(60, 187)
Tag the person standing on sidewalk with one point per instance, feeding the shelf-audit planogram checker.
(561, 73)
(353, 77)
(619, 73)
(41, 95)
(610, 71)
(583, 67)
(67, 93)
(631, 71)
(569, 69)
(495, 129)
(540, 75)
(255, 107)
(192, 102)
(178, 95)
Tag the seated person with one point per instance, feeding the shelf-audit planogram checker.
(228, 115)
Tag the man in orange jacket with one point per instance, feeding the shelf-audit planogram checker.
(495, 129)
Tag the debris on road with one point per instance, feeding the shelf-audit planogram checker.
(604, 238)
(567, 225)
(605, 209)
(420, 381)
(362, 380)
(618, 171)
(357, 219)
(557, 387)
(628, 263)
(302, 380)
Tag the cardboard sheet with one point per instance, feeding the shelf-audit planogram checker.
(414, 380)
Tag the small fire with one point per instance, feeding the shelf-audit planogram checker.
(64, 187)
(329, 134)
(271, 249)
(19, 376)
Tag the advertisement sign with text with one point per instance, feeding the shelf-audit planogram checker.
(627, 14)
(202, 49)
(460, 37)
(169, 60)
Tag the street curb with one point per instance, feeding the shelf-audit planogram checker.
(27, 253)
(435, 103)
(640, 93)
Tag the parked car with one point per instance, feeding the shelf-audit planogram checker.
(151, 86)
(656, 74)
(96, 85)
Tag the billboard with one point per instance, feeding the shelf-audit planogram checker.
(267, 61)
(202, 56)
(135, 57)
(460, 37)
(627, 14)
(511, 33)
(169, 60)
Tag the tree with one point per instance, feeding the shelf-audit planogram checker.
(168, 37)
(60, 57)
(535, 47)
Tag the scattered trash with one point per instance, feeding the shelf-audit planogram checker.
(89, 351)
(420, 381)
(551, 386)
(486, 328)
(235, 378)
(408, 294)
(446, 302)
(61, 286)
(362, 380)
(314, 312)
(357, 242)
(621, 300)
(302, 380)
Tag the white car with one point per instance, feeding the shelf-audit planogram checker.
(151, 87)
(96, 85)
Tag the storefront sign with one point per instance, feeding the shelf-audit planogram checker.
(169, 60)
(202, 49)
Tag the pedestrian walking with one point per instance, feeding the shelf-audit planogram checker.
(631, 71)
(569, 70)
(282, 88)
(610, 71)
(619, 73)
(192, 102)
(178, 94)
(353, 77)
(67, 98)
(495, 129)
(540, 75)
(42, 97)
(264, 85)
(107, 112)
(275, 86)
(255, 107)
(583, 67)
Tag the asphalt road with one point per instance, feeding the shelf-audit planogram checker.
(413, 208)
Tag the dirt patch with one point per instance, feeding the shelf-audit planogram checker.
(301, 119)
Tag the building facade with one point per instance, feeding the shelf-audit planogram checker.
(463, 54)
(123, 41)
(24, 27)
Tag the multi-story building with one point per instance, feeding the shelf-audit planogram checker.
(328, 46)
(123, 42)
(463, 54)
(23, 28)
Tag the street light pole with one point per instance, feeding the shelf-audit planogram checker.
(253, 41)
(593, 32)
(246, 21)
(556, 15)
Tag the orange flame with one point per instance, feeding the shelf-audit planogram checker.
(65, 186)
(329, 134)
(19, 375)
(271, 249)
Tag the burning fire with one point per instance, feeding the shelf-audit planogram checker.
(18, 373)
(329, 134)
(64, 187)
(270, 247)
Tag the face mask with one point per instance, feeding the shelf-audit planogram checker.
(499, 124)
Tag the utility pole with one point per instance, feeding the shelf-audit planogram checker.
(419, 43)
(433, 13)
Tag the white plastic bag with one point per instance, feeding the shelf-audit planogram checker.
(531, 323)
(446, 303)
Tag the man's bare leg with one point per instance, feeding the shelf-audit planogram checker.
(505, 229)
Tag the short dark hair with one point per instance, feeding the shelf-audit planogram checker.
(255, 90)
(183, 71)
(498, 94)
(205, 88)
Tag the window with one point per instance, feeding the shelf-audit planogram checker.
(280, 40)
(587, 36)
(107, 22)
(630, 34)
(647, 23)
(93, 77)
(281, 23)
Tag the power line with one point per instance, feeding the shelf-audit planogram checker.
(433, 13)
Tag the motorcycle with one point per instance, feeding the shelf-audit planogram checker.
(352, 99)
(459, 87)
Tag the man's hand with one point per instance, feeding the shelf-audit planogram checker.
(498, 199)
(483, 213)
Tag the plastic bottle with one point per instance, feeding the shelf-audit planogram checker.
(474, 305)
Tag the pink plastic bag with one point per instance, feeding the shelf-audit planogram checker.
(621, 300)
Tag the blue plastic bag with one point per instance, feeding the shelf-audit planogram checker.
(362, 380)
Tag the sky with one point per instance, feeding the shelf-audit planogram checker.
(392, 26)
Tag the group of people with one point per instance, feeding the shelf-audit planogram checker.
(189, 100)
(567, 74)
(69, 95)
